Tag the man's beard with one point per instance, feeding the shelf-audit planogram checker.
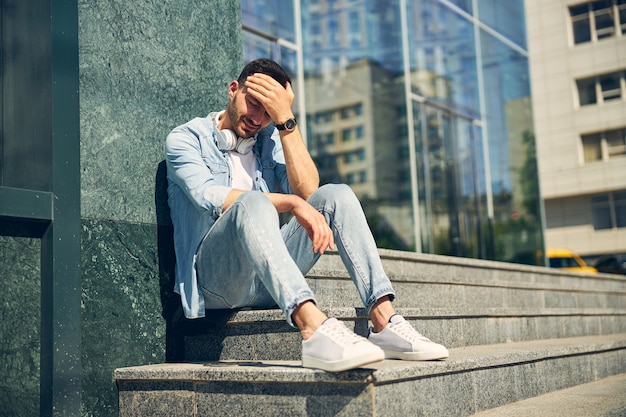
(237, 120)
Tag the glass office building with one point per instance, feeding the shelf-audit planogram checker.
(423, 108)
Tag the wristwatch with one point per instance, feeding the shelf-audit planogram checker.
(289, 125)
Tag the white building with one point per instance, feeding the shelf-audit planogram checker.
(578, 69)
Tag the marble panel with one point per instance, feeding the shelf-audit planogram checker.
(20, 306)
(125, 303)
(145, 69)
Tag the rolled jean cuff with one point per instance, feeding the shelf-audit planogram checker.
(292, 307)
(380, 294)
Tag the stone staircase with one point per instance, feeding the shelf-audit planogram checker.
(514, 332)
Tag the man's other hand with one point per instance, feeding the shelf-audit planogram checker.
(315, 224)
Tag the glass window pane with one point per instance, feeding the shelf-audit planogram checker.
(587, 91)
(273, 17)
(601, 218)
(470, 178)
(255, 47)
(601, 212)
(592, 147)
(507, 17)
(352, 62)
(620, 216)
(621, 12)
(600, 200)
(465, 5)
(615, 138)
(582, 29)
(354, 21)
(353, 54)
(619, 197)
(511, 149)
(616, 142)
(610, 86)
(507, 87)
(605, 26)
(619, 200)
(579, 10)
(580, 23)
(288, 59)
(359, 132)
(439, 45)
(600, 5)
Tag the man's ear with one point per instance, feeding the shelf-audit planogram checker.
(232, 88)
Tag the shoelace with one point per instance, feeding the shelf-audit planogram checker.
(407, 331)
(340, 334)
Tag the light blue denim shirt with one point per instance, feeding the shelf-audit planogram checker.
(199, 179)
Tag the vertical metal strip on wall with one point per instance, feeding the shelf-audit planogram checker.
(485, 131)
(61, 370)
(300, 94)
(410, 128)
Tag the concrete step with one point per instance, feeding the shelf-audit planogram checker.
(434, 281)
(514, 332)
(473, 379)
(454, 301)
(264, 334)
(603, 398)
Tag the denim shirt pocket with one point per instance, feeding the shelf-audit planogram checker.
(218, 167)
(268, 166)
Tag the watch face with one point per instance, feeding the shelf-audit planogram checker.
(290, 124)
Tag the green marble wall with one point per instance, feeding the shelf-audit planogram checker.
(19, 326)
(145, 67)
(124, 306)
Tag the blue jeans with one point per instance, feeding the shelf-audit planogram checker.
(247, 261)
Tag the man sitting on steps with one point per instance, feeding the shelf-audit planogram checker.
(229, 176)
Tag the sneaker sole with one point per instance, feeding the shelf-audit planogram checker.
(343, 364)
(416, 356)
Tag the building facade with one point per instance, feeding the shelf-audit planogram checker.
(423, 107)
(578, 68)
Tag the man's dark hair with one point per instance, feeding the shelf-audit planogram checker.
(267, 67)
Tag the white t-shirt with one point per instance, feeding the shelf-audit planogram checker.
(244, 170)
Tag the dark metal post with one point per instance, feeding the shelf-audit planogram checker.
(61, 370)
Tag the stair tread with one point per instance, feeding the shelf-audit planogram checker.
(461, 359)
(601, 398)
(353, 313)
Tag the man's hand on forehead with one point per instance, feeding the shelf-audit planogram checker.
(275, 98)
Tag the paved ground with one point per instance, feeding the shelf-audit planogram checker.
(603, 398)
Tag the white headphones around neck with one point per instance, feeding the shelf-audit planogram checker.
(227, 140)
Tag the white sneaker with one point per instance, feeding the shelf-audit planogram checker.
(334, 348)
(399, 340)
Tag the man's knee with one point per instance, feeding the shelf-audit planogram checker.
(340, 194)
(255, 202)
(254, 199)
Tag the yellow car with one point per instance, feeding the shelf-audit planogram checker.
(568, 260)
